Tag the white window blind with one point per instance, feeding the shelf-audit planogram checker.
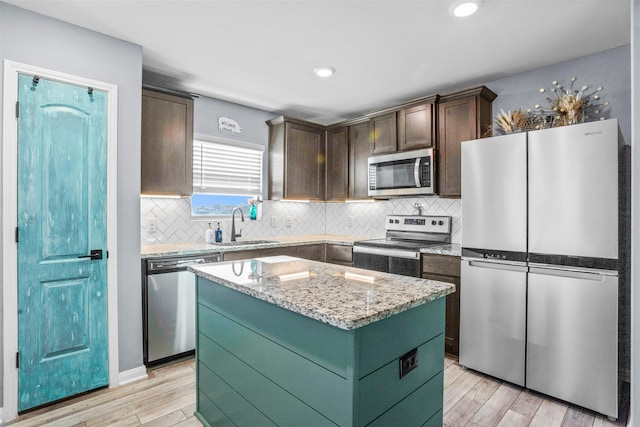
(220, 168)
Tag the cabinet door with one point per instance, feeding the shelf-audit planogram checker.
(304, 162)
(337, 164)
(339, 254)
(383, 133)
(444, 268)
(452, 314)
(359, 152)
(312, 252)
(457, 123)
(415, 127)
(167, 144)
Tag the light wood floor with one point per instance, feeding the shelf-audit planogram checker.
(167, 398)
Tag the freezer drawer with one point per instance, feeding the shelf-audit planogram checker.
(572, 342)
(492, 319)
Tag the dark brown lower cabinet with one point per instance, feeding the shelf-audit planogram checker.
(339, 254)
(445, 268)
(314, 252)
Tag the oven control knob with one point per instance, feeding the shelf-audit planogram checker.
(390, 221)
(440, 222)
(433, 222)
(397, 221)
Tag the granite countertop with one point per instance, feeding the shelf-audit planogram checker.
(450, 249)
(191, 248)
(344, 297)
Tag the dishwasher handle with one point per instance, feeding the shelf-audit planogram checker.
(159, 265)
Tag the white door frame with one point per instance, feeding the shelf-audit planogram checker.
(9, 223)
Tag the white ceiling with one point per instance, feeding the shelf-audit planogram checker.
(262, 53)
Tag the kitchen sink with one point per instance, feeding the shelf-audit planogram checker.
(245, 243)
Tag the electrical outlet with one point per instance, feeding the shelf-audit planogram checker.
(288, 221)
(408, 362)
(273, 221)
(349, 221)
(152, 225)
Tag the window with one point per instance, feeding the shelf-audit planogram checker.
(226, 174)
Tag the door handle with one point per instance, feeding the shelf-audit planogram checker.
(499, 266)
(572, 274)
(95, 254)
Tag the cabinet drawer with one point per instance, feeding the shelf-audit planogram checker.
(444, 265)
(339, 254)
(236, 255)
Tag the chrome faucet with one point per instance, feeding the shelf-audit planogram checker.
(233, 223)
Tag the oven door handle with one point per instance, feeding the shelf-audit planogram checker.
(395, 253)
(416, 172)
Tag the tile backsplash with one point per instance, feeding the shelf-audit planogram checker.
(169, 220)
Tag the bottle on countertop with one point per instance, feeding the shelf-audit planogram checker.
(208, 237)
(218, 234)
(253, 211)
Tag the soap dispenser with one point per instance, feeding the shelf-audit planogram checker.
(208, 237)
(218, 234)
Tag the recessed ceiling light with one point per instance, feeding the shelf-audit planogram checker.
(324, 71)
(464, 8)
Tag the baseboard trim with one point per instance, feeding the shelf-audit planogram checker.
(132, 375)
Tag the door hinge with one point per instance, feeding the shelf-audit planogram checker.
(18, 360)
(17, 110)
(17, 235)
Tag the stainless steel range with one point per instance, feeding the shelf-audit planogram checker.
(406, 237)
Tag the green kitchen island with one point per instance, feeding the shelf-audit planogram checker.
(289, 342)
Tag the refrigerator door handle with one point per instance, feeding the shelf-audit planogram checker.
(596, 277)
(498, 266)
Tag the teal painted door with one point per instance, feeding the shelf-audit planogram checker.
(62, 297)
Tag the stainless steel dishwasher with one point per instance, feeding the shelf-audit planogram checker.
(169, 306)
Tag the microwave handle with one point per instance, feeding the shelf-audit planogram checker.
(416, 172)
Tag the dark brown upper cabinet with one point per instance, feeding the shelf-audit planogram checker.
(337, 163)
(296, 160)
(417, 125)
(462, 116)
(406, 127)
(383, 133)
(359, 152)
(167, 144)
(348, 149)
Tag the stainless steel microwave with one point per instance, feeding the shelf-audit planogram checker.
(409, 173)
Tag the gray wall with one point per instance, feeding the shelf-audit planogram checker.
(251, 120)
(609, 69)
(33, 39)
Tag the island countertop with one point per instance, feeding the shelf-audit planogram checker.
(344, 297)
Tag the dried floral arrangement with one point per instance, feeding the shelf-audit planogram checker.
(565, 107)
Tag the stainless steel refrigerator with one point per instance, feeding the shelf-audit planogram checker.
(539, 274)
